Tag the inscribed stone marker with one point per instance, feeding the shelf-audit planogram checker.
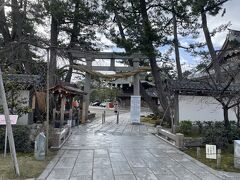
(39, 151)
(237, 153)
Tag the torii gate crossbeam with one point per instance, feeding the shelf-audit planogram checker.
(90, 56)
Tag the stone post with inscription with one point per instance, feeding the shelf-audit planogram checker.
(237, 154)
(39, 150)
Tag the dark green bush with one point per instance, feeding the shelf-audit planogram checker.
(216, 133)
(208, 124)
(185, 127)
(216, 136)
(21, 138)
(200, 126)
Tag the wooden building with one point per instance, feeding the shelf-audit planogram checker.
(126, 90)
(68, 100)
(20, 89)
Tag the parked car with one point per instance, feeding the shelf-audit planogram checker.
(97, 103)
(103, 104)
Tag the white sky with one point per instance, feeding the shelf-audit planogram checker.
(232, 15)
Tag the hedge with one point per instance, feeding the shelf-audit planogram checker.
(21, 138)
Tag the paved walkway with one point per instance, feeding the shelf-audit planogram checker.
(124, 152)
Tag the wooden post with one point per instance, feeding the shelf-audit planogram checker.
(47, 101)
(70, 114)
(54, 115)
(9, 126)
(176, 110)
(102, 118)
(198, 152)
(84, 115)
(78, 116)
(117, 117)
(218, 158)
(5, 146)
(81, 110)
(62, 110)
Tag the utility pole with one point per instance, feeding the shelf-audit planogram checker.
(8, 126)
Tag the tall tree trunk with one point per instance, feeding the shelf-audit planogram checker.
(237, 112)
(17, 19)
(150, 53)
(122, 34)
(176, 47)
(225, 115)
(215, 63)
(70, 70)
(53, 51)
(73, 41)
(143, 93)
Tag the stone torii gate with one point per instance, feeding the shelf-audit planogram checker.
(92, 56)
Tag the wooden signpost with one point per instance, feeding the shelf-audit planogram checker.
(8, 126)
(211, 151)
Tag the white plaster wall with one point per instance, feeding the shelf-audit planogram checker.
(201, 108)
(24, 96)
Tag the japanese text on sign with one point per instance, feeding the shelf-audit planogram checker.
(211, 151)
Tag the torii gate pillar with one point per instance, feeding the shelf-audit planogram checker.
(87, 83)
(136, 82)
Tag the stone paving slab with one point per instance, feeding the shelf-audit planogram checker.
(124, 151)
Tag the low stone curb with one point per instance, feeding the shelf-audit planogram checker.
(50, 166)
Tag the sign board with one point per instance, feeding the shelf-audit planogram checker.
(13, 119)
(211, 151)
(135, 109)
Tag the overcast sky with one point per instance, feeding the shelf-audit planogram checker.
(232, 15)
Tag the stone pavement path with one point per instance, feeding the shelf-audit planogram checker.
(123, 151)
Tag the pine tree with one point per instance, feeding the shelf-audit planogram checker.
(18, 30)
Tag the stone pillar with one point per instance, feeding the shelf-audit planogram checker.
(179, 140)
(87, 84)
(176, 110)
(136, 82)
